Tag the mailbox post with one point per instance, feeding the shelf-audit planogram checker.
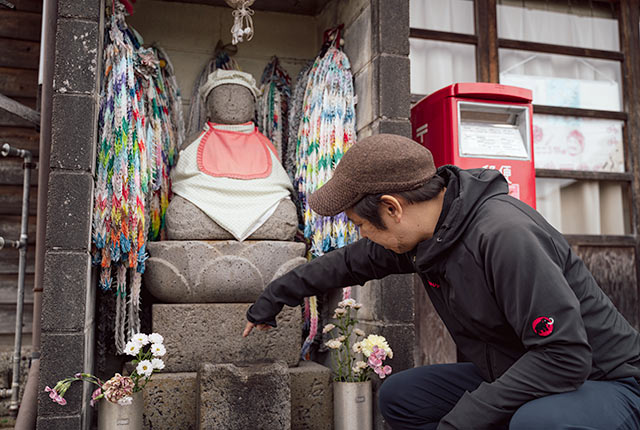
(486, 125)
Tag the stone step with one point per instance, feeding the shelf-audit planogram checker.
(212, 333)
(185, 221)
(170, 399)
(240, 397)
(217, 271)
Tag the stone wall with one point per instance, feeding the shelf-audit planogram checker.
(68, 296)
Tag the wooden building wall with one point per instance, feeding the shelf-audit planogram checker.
(19, 57)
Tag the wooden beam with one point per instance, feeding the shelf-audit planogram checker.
(627, 241)
(487, 67)
(22, 54)
(589, 113)
(628, 18)
(20, 110)
(584, 175)
(560, 49)
(18, 82)
(21, 25)
(443, 36)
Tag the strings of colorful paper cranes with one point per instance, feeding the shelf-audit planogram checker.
(327, 130)
(273, 105)
(138, 134)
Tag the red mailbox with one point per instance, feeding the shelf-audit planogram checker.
(481, 125)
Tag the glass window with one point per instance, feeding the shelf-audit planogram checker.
(562, 80)
(584, 207)
(436, 64)
(572, 143)
(570, 23)
(455, 16)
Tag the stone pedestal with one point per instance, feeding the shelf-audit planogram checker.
(217, 271)
(185, 221)
(170, 401)
(311, 397)
(236, 397)
(212, 333)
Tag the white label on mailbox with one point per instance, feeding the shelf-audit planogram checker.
(486, 140)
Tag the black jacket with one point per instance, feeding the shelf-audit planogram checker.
(516, 299)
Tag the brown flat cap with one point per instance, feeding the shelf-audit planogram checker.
(383, 163)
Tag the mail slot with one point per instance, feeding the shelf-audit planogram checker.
(485, 125)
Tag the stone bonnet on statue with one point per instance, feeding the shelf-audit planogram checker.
(228, 182)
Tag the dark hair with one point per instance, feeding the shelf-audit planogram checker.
(368, 207)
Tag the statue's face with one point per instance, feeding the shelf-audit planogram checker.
(230, 104)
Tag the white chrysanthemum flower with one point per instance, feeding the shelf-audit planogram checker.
(339, 312)
(132, 348)
(356, 370)
(157, 364)
(358, 332)
(156, 338)
(361, 365)
(333, 344)
(144, 368)
(357, 347)
(125, 401)
(141, 338)
(328, 328)
(347, 303)
(158, 349)
(375, 340)
(341, 338)
(357, 306)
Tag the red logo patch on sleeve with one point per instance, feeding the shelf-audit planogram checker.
(543, 326)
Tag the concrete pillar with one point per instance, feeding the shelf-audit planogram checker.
(68, 297)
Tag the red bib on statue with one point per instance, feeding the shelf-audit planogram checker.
(233, 154)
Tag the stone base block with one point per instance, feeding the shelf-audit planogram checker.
(235, 397)
(170, 401)
(185, 221)
(199, 333)
(217, 272)
(311, 397)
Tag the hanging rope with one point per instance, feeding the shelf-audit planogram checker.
(273, 104)
(136, 150)
(326, 131)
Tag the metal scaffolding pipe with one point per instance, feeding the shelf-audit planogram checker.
(8, 151)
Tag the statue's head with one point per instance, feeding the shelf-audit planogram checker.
(230, 96)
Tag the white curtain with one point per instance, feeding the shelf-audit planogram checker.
(434, 64)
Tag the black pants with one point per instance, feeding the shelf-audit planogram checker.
(418, 398)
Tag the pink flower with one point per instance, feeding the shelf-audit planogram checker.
(94, 397)
(53, 395)
(374, 361)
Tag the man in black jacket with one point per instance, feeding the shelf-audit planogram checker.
(547, 348)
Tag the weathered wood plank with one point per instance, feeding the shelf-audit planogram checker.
(16, 24)
(9, 260)
(614, 270)
(487, 49)
(21, 137)
(18, 82)
(12, 173)
(11, 200)
(8, 319)
(20, 110)
(24, 54)
(9, 289)
(10, 228)
(28, 5)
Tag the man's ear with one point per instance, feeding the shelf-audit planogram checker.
(391, 207)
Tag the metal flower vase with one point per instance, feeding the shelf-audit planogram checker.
(112, 416)
(352, 405)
